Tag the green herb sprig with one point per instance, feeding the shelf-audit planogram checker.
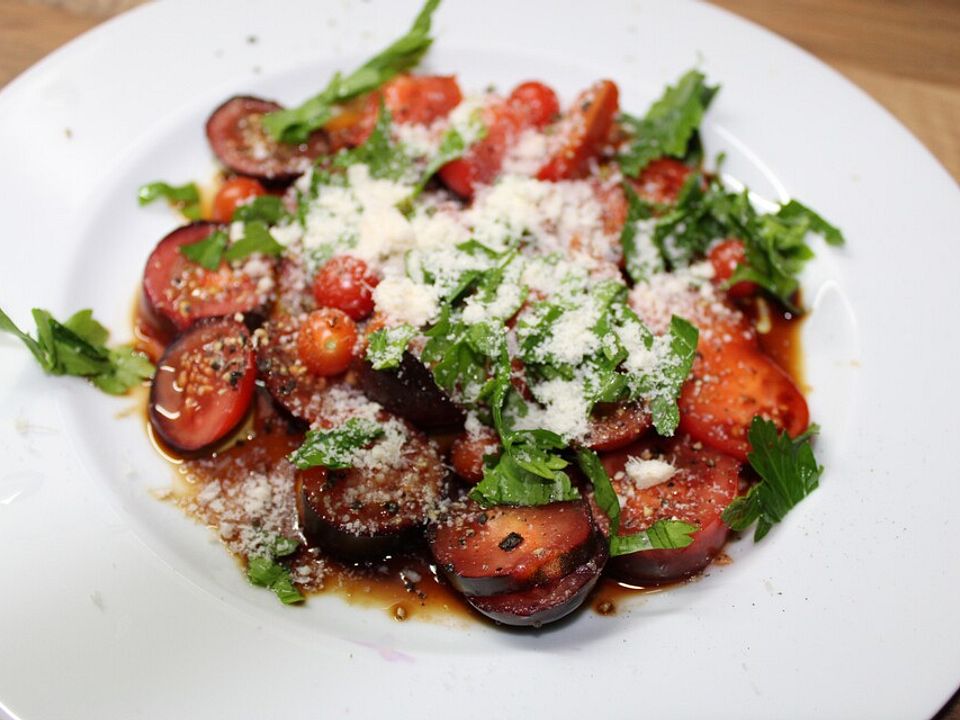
(294, 125)
(78, 347)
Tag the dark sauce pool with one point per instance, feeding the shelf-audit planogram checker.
(405, 586)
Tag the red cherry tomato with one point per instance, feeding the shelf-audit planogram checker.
(725, 256)
(537, 103)
(346, 283)
(326, 341)
(233, 193)
(467, 452)
(731, 384)
(419, 99)
(704, 483)
(661, 180)
(203, 386)
(586, 129)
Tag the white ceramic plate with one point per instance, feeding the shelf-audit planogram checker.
(114, 605)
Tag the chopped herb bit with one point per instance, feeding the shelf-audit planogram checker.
(639, 266)
(266, 208)
(387, 345)
(295, 124)
(529, 471)
(662, 535)
(452, 146)
(669, 125)
(385, 158)
(256, 239)
(267, 572)
(672, 376)
(78, 347)
(788, 471)
(335, 448)
(208, 252)
(186, 198)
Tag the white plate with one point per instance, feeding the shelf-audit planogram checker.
(114, 605)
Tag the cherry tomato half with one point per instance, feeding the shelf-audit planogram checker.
(346, 283)
(326, 341)
(467, 452)
(586, 128)
(233, 193)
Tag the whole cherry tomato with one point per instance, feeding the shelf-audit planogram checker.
(326, 341)
(233, 193)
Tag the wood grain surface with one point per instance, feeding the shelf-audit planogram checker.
(905, 53)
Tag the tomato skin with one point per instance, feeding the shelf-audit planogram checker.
(706, 482)
(587, 128)
(661, 180)
(233, 193)
(537, 103)
(725, 256)
(346, 283)
(326, 341)
(204, 385)
(467, 452)
(731, 384)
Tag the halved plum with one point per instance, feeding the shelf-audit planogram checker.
(236, 135)
(376, 509)
(545, 603)
(703, 483)
(204, 385)
(506, 549)
(177, 292)
(410, 392)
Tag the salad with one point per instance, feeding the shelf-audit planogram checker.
(490, 341)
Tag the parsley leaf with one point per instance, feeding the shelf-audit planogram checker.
(386, 346)
(669, 125)
(267, 208)
(788, 471)
(186, 198)
(78, 347)
(335, 448)
(208, 252)
(256, 239)
(663, 534)
(216, 247)
(294, 125)
(529, 471)
(774, 243)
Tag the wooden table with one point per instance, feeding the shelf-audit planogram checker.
(905, 54)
